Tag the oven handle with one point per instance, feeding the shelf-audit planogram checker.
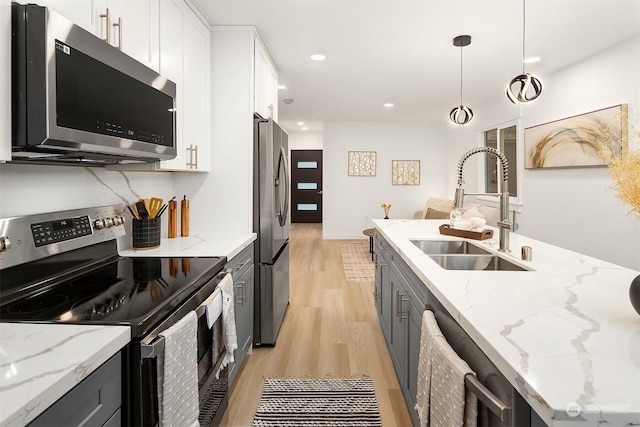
(153, 345)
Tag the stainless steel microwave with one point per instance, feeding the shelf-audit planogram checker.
(79, 100)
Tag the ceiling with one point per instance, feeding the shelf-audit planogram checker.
(401, 51)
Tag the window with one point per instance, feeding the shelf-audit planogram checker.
(504, 140)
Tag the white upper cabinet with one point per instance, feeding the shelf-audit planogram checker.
(80, 12)
(266, 83)
(5, 80)
(184, 59)
(130, 25)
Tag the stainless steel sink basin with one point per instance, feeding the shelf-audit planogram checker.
(475, 262)
(444, 247)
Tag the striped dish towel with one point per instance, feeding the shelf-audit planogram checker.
(178, 374)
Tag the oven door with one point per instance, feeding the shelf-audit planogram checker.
(213, 392)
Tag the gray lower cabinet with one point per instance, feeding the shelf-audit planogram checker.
(400, 313)
(96, 401)
(382, 293)
(241, 266)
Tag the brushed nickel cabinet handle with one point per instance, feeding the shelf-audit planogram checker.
(119, 25)
(107, 17)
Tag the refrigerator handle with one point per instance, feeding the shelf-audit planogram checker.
(283, 163)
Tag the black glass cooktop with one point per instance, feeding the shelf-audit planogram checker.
(128, 291)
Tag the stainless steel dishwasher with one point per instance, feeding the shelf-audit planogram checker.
(499, 404)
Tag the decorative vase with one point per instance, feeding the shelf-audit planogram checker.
(634, 293)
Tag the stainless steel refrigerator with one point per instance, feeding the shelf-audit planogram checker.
(271, 223)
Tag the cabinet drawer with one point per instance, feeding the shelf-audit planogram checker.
(241, 263)
(94, 401)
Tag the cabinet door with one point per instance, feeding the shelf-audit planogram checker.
(134, 29)
(272, 91)
(261, 67)
(5, 80)
(398, 327)
(195, 82)
(80, 12)
(171, 67)
(265, 82)
(244, 311)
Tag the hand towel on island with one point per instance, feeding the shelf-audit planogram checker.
(178, 374)
(228, 321)
(428, 333)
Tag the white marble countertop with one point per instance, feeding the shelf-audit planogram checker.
(228, 245)
(40, 363)
(564, 334)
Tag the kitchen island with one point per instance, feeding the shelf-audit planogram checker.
(563, 333)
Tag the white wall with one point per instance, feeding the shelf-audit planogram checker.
(574, 208)
(350, 202)
(305, 141)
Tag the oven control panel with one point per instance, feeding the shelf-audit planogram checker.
(31, 237)
(46, 233)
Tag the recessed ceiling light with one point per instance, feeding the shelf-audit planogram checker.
(300, 123)
(531, 59)
(318, 57)
(388, 104)
(282, 87)
(305, 128)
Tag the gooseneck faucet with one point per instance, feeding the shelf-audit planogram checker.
(505, 223)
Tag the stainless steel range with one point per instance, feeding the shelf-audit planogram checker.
(64, 267)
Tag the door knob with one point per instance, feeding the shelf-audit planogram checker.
(320, 192)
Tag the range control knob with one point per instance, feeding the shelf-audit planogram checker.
(108, 222)
(122, 219)
(5, 244)
(98, 224)
(117, 220)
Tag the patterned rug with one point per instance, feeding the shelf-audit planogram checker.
(325, 402)
(356, 261)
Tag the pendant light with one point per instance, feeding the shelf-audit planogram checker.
(462, 114)
(530, 85)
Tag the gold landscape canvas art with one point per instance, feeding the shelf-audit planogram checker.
(576, 141)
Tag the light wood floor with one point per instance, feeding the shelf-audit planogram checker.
(330, 330)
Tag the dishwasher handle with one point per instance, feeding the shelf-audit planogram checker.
(490, 400)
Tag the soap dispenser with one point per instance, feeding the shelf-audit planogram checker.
(454, 217)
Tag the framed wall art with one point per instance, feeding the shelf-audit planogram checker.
(362, 163)
(405, 172)
(577, 141)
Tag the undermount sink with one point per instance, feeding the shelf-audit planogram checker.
(445, 247)
(463, 255)
(475, 262)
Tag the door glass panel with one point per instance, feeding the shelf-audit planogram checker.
(307, 186)
(307, 207)
(307, 165)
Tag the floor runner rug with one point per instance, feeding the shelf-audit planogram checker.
(317, 402)
(356, 260)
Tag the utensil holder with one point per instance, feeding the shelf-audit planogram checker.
(146, 233)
